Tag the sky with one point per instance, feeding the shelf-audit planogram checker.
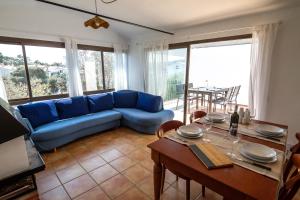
(43, 54)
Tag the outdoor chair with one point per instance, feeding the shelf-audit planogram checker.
(223, 101)
(180, 93)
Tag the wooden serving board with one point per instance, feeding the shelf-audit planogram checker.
(211, 157)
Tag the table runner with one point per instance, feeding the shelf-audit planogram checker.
(248, 130)
(224, 143)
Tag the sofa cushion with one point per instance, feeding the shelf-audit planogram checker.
(125, 99)
(145, 118)
(39, 113)
(64, 127)
(149, 102)
(72, 107)
(100, 102)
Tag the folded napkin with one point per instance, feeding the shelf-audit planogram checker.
(210, 156)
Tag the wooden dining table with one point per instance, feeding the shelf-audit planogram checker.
(205, 91)
(232, 183)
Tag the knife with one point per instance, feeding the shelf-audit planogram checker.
(254, 163)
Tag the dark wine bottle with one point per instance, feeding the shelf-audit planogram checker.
(234, 122)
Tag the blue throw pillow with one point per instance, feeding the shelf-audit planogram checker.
(72, 107)
(149, 102)
(100, 102)
(39, 113)
(125, 99)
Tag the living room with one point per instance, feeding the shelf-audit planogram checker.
(96, 97)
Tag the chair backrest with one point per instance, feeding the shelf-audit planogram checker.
(289, 163)
(229, 93)
(197, 115)
(167, 126)
(236, 92)
(180, 88)
(291, 186)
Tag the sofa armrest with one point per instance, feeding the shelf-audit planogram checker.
(28, 125)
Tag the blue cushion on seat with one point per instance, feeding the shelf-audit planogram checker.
(125, 98)
(145, 118)
(72, 107)
(39, 113)
(149, 102)
(100, 102)
(65, 127)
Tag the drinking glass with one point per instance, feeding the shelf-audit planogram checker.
(206, 126)
(234, 141)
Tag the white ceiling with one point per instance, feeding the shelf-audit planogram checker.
(171, 15)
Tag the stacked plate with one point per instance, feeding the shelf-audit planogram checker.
(190, 131)
(258, 152)
(269, 130)
(215, 117)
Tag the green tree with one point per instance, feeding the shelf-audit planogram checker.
(19, 75)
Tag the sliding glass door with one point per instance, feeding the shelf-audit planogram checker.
(215, 67)
(176, 73)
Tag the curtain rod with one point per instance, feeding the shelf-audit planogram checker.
(107, 17)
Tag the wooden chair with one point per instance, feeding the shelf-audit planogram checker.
(292, 184)
(165, 127)
(197, 115)
(287, 171)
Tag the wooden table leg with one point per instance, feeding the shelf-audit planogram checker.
(157, 169)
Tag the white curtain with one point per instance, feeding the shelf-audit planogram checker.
(120, 67)
(263, 40)
(155, 59)
(74, 81)
(2, 90)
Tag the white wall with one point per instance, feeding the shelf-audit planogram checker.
(35, 20)
(284, 93)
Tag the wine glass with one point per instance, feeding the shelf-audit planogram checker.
(234, 140)
(207, 125)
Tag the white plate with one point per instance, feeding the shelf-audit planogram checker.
(189, 136)
(270, 134)
(258, 151)
(215, 117)
(269, 129)
(190, 130)
(274, 159)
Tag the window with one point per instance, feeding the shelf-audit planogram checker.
(176, 69)
(96, 68)
(12, 70)
(91, 70)
(36, 70)
(47, 70)
(108, 69)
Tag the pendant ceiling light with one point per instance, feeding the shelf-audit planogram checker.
(96, 22)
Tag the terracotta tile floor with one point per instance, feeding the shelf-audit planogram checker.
(111, 165)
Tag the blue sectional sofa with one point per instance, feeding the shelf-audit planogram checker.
(54, 123)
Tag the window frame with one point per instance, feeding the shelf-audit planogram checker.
(43, 43)
(101, 50)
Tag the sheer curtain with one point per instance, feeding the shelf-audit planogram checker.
(156, 58)
(120, 67)
(263, 40)
(2, 90)
(74, 80)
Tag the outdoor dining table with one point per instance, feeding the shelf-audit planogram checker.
(206, 91)
(237, 182)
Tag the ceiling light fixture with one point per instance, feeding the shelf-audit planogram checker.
(96, 22)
